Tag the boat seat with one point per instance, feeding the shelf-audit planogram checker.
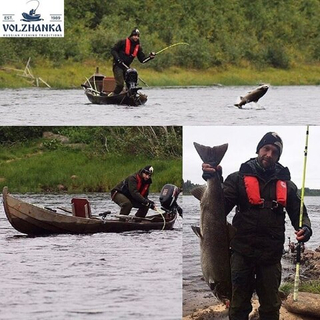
(81, 208)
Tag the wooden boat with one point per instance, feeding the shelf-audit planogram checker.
(33, 220)
(98, 87)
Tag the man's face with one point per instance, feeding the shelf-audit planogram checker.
(135, 37)
(268, 155)
(145, 176)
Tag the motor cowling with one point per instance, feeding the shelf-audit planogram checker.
(168, 198)
(131, 79)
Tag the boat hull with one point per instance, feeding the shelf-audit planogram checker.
(119, 99)
(32, 220)
(98, 87)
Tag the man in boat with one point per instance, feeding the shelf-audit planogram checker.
(262, 192)
(124, 52)
(133, 192)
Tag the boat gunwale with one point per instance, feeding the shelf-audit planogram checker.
(49, 220)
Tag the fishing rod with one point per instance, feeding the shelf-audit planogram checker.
(166, 48)
(297, 277)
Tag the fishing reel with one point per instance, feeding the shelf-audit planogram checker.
(168, 199)
(131, 80)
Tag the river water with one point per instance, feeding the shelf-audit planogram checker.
(285, 105)
(196, 293)
(131, 275)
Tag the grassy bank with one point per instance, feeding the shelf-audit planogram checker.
(33, 167)
(71, 75)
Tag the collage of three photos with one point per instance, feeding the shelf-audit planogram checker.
(159, 160)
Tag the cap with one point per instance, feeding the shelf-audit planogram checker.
(148, 170)
(135, 31)
(271, 138)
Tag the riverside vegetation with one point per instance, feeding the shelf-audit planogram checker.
(87, 159)
(230, 42)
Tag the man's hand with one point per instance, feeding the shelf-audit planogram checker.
(303, 234)
(152, 55)
(151, 205)
(209, 171)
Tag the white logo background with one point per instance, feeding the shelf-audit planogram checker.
(50, 23)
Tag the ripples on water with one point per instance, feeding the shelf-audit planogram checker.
(131, 275)
(167, 106)
(196, 293)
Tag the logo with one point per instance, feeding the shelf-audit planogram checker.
(37, 19)
(32, 16)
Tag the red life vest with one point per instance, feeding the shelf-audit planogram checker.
(128, 48)
(253, 191)
(141, 188)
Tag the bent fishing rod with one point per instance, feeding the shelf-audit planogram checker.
(166, 48)
(297, 275)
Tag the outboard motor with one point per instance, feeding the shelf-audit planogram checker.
(131, 79)
(168, 199)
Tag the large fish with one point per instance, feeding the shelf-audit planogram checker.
(214, 231)
(254, 95)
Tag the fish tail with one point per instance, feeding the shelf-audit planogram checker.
(211, 155)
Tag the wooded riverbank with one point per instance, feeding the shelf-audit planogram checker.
(87, 159)
(71, 75)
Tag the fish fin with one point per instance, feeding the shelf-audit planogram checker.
(231, 231)
(212, 156)
(197, 231)
(198, 192)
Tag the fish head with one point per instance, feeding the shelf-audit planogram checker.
(263, 87)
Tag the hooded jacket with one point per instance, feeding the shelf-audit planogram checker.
(261, 229)
(135, 188)
(118, 52)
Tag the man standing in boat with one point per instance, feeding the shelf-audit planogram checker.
(133, 192)
(124, 52)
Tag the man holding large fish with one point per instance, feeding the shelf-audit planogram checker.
(262, 192)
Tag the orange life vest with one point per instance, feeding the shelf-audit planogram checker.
(128, 48)
(253, 191)
(141, 188)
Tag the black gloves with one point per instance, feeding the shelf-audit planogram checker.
(307, 233)
(207, 175)
(152, 55)
(150, 204)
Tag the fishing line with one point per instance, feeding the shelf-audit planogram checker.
(164, 219)
(297, 276)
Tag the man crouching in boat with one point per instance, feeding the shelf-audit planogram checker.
(133, 192)
(123, 52)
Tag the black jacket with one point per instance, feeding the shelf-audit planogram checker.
(118, 53)
(129, 187)
(261, 231)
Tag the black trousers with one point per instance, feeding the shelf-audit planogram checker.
(118, 74)
(247, 275)
(126, 205)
